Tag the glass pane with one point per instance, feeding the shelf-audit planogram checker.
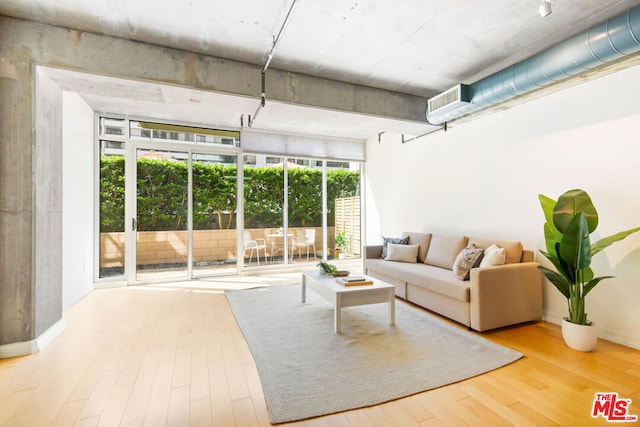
(214, 214)
(343, 205)
(264, 238)
(110, 127)
(162, 209)
(305, 209)
(183, 134)
(112, 176)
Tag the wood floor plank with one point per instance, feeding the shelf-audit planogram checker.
(243, 412)
(446, 415)
(358, 418)
(200, 414)
(397, 412)
(68, 414)
(179, 412)
(417, 411)
(497, 407)
(450, 401)
(158, 405)
(485, 415)
(157, 356)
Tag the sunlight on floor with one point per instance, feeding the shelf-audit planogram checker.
(221, 284)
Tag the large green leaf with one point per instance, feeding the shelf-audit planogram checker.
(561, 267)
(560, 282)
(551, 237)
(569, 204)
(575, 247)
(585, 275)
(547, 205)
(551, 233)
(608, 241)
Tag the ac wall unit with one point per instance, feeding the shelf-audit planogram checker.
(449, 99)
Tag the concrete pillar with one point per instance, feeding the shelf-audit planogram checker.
(47, 204)
(16, 202)
(30, 208)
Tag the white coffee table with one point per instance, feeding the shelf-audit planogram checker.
(348, 296)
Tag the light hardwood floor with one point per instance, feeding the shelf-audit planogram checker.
(174, 355)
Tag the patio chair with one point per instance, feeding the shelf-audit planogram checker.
(256, 245)
(307, 240)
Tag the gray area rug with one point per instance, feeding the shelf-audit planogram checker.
(307, 370)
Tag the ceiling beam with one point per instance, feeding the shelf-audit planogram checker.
(53, 46)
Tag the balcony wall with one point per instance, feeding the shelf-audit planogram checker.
(168, 247)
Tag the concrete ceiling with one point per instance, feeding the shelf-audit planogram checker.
(411, 46)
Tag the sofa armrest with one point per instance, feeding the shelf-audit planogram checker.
(372, 251)
(505, 295)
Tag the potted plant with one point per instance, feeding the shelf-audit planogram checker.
(569, 222)
(326, 268)
(341, 243)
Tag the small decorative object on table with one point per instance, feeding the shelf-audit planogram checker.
(341, 273)
(326, 268)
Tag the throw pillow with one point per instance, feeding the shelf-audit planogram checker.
(394, 240)
(493, 255)
(422, 239)
(465, 261)
(402, 253)
(444, 249)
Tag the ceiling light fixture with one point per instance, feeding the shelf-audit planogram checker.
(545, 8)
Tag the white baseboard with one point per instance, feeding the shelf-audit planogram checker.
(29, 347)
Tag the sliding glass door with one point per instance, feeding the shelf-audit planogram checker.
(167, 201)
(305, 209)
(294, 208)
(162, 214)
(266, 235)
(185, 214)
(214, 213)
(111, 224)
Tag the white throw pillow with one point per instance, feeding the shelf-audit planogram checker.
(402, 253)
(493, 255)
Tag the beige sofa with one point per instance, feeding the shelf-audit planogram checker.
(494, 296)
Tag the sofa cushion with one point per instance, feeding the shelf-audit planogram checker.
(402, 253)
(421, 239)
(443, 250)
(468, 258)
(493, 255)
(513, 250)
(395, 240)
(435, 279)
(441, 280)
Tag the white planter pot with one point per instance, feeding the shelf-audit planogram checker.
(579, 337)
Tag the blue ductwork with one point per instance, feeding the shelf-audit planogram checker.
(603, 43)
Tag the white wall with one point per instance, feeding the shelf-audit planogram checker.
(77, 199)
(482, 178)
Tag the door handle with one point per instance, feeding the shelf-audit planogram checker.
(133, 224)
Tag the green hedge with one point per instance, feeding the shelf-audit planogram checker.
(162, 195)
